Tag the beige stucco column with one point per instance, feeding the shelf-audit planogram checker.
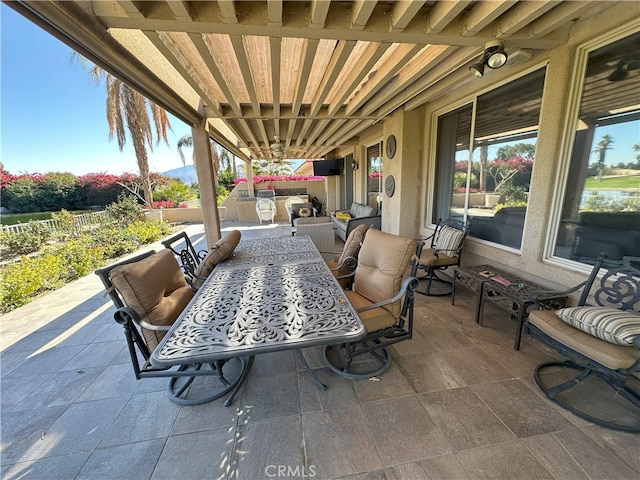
(206, 182)
(401, 212)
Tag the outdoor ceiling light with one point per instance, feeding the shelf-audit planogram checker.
(494, 56)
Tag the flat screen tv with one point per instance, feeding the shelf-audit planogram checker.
(326, 168)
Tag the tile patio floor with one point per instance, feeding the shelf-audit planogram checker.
(457, 403)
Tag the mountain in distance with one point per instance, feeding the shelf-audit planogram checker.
(187, 174)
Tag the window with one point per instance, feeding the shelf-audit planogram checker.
(374, 175)
(489, 184)
(601, 206)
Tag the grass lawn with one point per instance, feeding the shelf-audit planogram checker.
(14, 218)
(630, 182)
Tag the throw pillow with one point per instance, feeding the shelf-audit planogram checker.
(218, 253)
(448, 240)
(615, 326)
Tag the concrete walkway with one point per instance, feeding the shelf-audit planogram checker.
(458, 402)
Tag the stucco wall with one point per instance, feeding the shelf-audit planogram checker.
(551, 151)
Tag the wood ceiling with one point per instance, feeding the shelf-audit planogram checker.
(313, 75)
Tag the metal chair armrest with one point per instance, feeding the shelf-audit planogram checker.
(125, 314)
(544, 296)
(408, 285)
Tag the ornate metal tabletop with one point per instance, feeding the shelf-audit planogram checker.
(273, 294)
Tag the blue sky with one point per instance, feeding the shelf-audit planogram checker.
(52, 116)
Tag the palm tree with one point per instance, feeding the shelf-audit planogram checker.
(601, 148)
(128, 110)
(636, 148)
(187, 141)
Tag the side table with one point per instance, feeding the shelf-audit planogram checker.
(513, 295)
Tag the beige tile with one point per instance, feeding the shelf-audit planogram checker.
(555, 459)
(423, 372)
(504, 461)
(469, 366)
(263, 448)
(596, 461)
(464, 419)
(521, 410)
(403, 431)
(391, 383)
(443, 467)
(339, 442)
(624, 446)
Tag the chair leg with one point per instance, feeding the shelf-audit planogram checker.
(431, 277)
(179, 385)
(630, 421)
(340, 360)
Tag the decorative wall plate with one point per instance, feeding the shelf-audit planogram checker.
(391, 146)
(390, 186)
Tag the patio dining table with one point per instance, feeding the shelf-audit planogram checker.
(273, 294)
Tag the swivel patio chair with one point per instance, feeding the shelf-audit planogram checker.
(384, 302)
(266, 209)
(445, 251)
(602, 338)
(197, 265)
(344, 267)
(149, 292)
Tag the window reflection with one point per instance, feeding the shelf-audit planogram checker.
(490, 184)
(374, 175)
(601, 209)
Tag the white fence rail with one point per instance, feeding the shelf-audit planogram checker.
(81, 221)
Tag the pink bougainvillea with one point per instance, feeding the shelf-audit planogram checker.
(278, 178)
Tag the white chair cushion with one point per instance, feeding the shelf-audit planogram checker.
(448, 240)
(615, 326)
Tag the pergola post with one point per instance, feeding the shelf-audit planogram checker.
(206, 182)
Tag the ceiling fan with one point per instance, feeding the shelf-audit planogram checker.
(277, 150)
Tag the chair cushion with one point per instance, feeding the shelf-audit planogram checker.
(304, 209)
(374, 319)
(353, 242)
(358, 210)
(428, 257)
(610, 324)
(382, 261)
(218, 253)
(607, 354)
(448, 240)
(155, 288)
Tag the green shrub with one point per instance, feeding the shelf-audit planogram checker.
(125, 211)
(81, 256)
(115, 241)
(31, 239)
(22, 281)
(149, 230)
(66, 222)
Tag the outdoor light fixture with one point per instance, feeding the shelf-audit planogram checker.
(493, 57)
(354, 164)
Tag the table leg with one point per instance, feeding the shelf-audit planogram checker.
(314, 377)
(479, 301)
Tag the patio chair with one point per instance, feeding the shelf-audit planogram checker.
(602, 338)
(344, 267)
(149, 292)
(384, 302)
(447, 243)
(198, 265)
(266, 209)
